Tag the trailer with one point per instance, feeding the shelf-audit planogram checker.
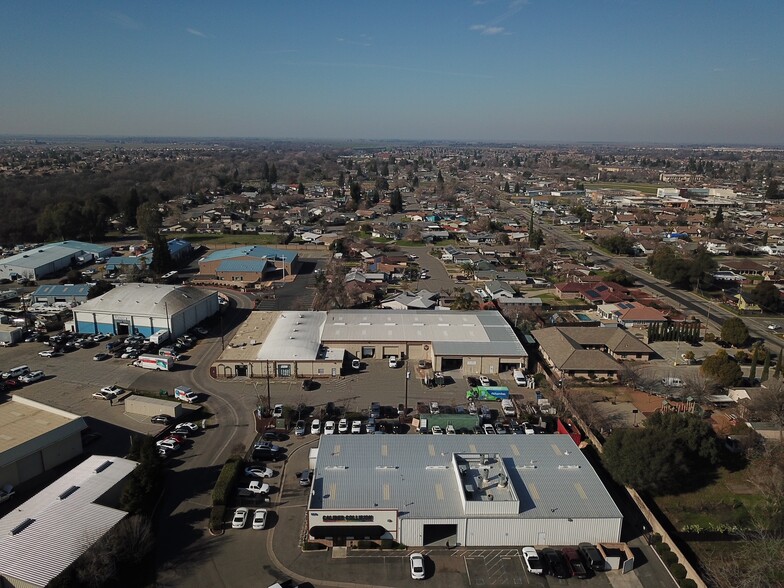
(155, 362)
(159, 337)
(488, 393)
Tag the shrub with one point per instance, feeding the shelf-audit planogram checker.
(226, 480)
(687, 583)
(656, 539)
(710, 337)
(678, 571)
(364, 544)
(313, 546)
(217, 514)
(669, 558)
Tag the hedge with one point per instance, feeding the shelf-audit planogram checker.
(687, 583)
(678, 571)
(313, 546)
(656, 539)
(226, 480)
(669, 558)
(661, 548)
(217, 514)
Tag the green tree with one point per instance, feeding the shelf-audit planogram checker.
(535, 239)
(440, 182)
(779, 366)
(619, 244)
(735, 332)
(131, 206)
(767, 296)
(273, 174)
(719, 218)
(149, 219)
(722, 368)
(621, 277)
(356, 192)
(772, 191)
(396, 201)
(507, 189)
(766, 367)
(161, 256)
(100, 287)
(464, 300)
(301, 188)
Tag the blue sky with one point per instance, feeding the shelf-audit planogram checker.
(671, 71)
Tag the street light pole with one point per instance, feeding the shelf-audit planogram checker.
(408, 374)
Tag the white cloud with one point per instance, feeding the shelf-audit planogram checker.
(488, 30)
(196, 33)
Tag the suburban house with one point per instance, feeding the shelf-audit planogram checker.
(631, 314)
(589, 352)
(597, 293)
(422, 300)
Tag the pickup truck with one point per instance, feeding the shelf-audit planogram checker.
(258, 487)
(6, 492)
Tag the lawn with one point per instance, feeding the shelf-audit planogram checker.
(727, 502)
(210, 238)
(644, 188)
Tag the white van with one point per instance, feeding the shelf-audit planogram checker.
(672, 382)
(15, 372)
(519, 378)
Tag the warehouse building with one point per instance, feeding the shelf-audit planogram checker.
(179, 251)
(321, 344)
(50, 259)
(460, 490)
(145, 309)
(35, 438)
(248, 264)
(49, 532)
(60, 293)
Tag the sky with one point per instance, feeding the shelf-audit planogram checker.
(633, 71)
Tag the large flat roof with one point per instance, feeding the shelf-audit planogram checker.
(483, 332)
(27, 426)
(551, 477)
(146, 299)
(61, 522)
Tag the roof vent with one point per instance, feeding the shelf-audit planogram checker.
(67, 493)
(568, 467)
(103, 466)
(22, 526)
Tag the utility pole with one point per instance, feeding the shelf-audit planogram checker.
(269, 396)
(408, 374)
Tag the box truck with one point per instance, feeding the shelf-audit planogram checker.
(159, 337)
(155, 362)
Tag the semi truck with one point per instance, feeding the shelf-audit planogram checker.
(155, 362)
(488, 393)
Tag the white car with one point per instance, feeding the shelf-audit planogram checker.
(484, 381)
(260, 518)
(450, 430)
(393, 361)
(32, 377)
(436, 430)
(100, 337)
(315, 427)
(187, 425)
(532, 561)
(277, 412)
(258, 472)
(114, 390)
(417, 562)
(343, 426)
(329, 428)
(773, 327)
(48, 353)
(169, 444)
(488, 429)
(104, 395)
(434, 408)
(356, 427)
(240, 518)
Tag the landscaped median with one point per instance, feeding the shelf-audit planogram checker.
(222, 490)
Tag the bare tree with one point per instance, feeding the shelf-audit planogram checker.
(699, 387)
(768, 403)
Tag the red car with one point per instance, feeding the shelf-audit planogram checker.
(178, 438)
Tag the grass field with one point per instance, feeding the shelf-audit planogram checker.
(644, 188)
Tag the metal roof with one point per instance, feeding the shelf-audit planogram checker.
(243, 265)
(295, 335)
(478, 333)
(62, 290)
(52, 252)
(551, 477)
(65, 520)
(146, 300)
(251, 251)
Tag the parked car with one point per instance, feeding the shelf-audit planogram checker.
(169, 444)
(260, 518)
(115, 390)
(356, 364)
(161, 419)
(488, 429)
(49, 353)
(299, 429)
(274, 436)
(484, 381)
(305, 477)
(329, 427)
(257, 472)
(450, 429)
(436, 430)
(356, 427)
(240, 518)
(267, 446)
(32, 377)
(277, 411)
(393, 361)
(315, 427)
(187, 425)
(104, 395)
(533, 562)
(576, 563)
(343, 426)
(417, 563)
(309, 385)
(556, 564)
(591, 556)
(267, 455)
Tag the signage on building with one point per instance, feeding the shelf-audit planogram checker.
(347, 518)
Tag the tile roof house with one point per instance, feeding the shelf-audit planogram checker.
(631, 313)
(589, 351)
(601, 293)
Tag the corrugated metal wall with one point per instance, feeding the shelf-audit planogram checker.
(513, 531)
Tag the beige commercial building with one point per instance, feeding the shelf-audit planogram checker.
(323, 344)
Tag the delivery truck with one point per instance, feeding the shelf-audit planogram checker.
(155, 362)
(488, 393)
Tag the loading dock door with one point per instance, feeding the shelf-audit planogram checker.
(388, 350)
(439, 534)
(451, 363)
(368, 351)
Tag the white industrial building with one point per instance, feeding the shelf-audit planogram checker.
(49, 259)
(42, 537)
(145, 309)
(35, 438)
(465, 490)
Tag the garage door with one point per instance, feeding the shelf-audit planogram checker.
(389, 350)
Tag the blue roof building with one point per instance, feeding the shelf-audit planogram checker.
(248, 264)
(61, 293)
